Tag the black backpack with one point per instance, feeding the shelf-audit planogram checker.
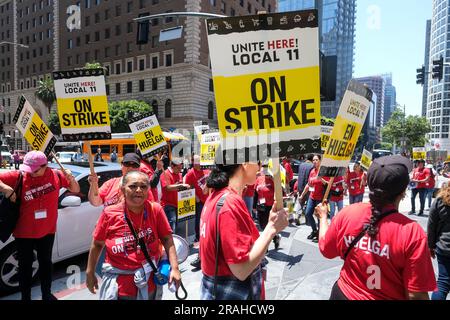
(9, 211)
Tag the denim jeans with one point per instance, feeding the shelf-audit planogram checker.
(356, 198)
(333, 204)
(171, 214)
(443, 281)
(249, 203)
(309, 214)
(429, 196)
(422, 194)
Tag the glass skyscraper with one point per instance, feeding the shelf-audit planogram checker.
(337, 37)
(438, 100)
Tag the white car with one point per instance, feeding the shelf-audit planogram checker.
(64, 156)
(76, 221)
(6, 156)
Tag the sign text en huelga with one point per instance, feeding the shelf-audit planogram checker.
(148, 134)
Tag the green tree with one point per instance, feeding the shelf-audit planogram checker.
(412, 128)
(46, 92)
(53, 123)
(119, 112)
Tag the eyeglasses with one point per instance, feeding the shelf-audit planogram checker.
(130, 165)
(42, 166)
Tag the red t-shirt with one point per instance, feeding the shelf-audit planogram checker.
(148, 170)
(168, 178)
(265, 189)
(353, 181)
(249, 191)
(316, 186)
(398, 255)
(296, 186)
(431, 183)
(238, 233)
(121, 246)
(111, 194)
(39, 194)
(421, 174)
(197, 179)
(289, 172)
(337, 186)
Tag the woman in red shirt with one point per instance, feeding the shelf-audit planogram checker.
(386, 254)
(265, 189)
(127, 274)
(316, 189)
(356, 182)
(230, 245)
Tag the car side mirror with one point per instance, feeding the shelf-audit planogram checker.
(71, 201)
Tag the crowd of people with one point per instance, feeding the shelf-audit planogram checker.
(236, 220)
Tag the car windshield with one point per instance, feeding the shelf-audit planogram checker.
(65, 156)
(4, 148)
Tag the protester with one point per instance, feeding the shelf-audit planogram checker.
(336, 195)
(233, 269)
(127, 274)
(430, 184)
(171, 183)
(438, 232)
(154, 173)
(356, 181)
(316, 190)
(113, 156)
(248, 195)
(98, 155)
(386, 254)
(289, 173)
(16, 158)
(78, 156)
(304, 169)
(196, 178)
(420, 176)
(36, 227)
(265, 190)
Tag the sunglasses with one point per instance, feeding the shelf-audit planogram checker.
(130, 165)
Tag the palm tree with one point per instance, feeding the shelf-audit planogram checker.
(46, 92)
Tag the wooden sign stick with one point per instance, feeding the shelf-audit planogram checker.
(327, 192)
(277, 183)
(57, 161)
(91, 165)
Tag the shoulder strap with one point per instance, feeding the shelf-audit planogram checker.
(364, 230)
(18, 187)
(219, 207)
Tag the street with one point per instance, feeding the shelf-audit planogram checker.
(296, 271)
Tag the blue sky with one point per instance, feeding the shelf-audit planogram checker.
(390, 37)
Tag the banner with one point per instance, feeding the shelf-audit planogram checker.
(148, 134)
(186, 205)
(419, 153)
(82, 104)
(266, 82)
(208, 148)
(33, 128)
(347, 128)
(366, 159)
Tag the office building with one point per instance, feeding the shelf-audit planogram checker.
(337, 37)
(390, 97)
(426, 64)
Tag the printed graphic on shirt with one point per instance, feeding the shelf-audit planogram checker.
(369, 245)
(36, 192)
(127, 243)
(82, 104)
(266, 84)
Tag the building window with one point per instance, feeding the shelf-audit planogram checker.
(154, 62)
(168, 60)
(141, 64)
(130, 27)
(107, 33)
(129, 47)
(118, 11)
(106, 14)
(168, 82)
(232, 12)
(117, 88)
(130, 66)
(118, 68)
(107, 89)
(69, 61)
(241, 2)
(168, 108)
(117, 49)
(155, 107)
(142, 4)
(129, 87)
(129, 7)
(155, 1)
(210, 110)
(155, 40)
(168, 19)
(107, 52)
(211, 85)
(97, 17)
(97, 36)
(223, 7)
(87, 38)
(154, 83)
(118, 31)
(141, 85)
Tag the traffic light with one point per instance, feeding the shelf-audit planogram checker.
(438, 66)
(420, 75)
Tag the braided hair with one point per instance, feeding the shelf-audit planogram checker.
(378, 199)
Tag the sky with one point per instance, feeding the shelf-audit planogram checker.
(390, 38)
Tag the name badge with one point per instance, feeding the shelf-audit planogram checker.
(40, 214)
(352, 187)
(262, 201)
(311, 189)
(337, 190)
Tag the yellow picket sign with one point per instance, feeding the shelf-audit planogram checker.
(366, 159)
(186, 204)
(209, 144)
(419, 153)
(282, 173)
(148, 134)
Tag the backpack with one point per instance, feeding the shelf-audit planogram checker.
(10, 211)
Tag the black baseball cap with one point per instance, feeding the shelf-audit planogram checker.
(131, 157)
(389, 174)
